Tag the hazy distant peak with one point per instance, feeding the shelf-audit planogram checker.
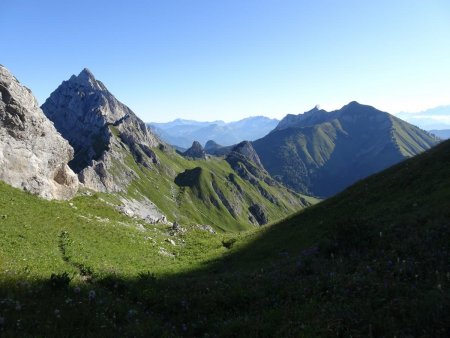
(211, 144)
(182, 132)
(433, 118)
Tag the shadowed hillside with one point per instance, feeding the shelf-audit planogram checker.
(371, 261)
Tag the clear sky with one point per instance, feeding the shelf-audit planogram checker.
(228, 59)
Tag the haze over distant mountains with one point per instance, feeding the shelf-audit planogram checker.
(183, 133)
(437, 118)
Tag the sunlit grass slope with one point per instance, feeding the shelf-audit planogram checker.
(217, 196)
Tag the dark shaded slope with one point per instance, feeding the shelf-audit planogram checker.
(371, 261)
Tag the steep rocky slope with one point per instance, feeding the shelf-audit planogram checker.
(322, 152)
(33, 155)
(87, 115)
(115, 153)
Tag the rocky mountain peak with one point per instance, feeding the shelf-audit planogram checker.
(86, 79)
(33, 155)
(86, 73)
(245, 148)
(195, 151)
(90, 118)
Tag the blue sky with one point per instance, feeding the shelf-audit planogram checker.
(229, 59)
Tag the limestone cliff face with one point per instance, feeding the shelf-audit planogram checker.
(33, 155)
(89, 117)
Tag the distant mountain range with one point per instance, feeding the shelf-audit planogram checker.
(322, 152)
(182, 133)
(443, 133)
(437, 118)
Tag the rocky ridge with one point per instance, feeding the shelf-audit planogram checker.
(33, 155)
(321, 153)
(88, 115)
(109, 141)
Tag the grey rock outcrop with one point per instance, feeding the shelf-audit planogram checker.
(245, 161)
(246, 149)
(33, 155)
(195, 151)
(143, 209)
(97, 125)
(258, 213)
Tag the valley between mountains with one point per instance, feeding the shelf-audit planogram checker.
(332, 224)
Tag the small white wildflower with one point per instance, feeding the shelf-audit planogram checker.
(57, 313)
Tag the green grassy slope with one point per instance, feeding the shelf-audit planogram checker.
(371, 261)
(216, 196)
(322, 153)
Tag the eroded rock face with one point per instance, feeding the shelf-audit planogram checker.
(33, 155)
(93, 121)
(258, 213)
(246, 149)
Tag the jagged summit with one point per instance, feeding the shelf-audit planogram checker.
(87, 115)
(87, 79)
(195, 151)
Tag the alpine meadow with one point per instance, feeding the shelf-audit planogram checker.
(225, 169)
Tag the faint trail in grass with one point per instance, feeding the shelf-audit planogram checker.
(63, 244)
